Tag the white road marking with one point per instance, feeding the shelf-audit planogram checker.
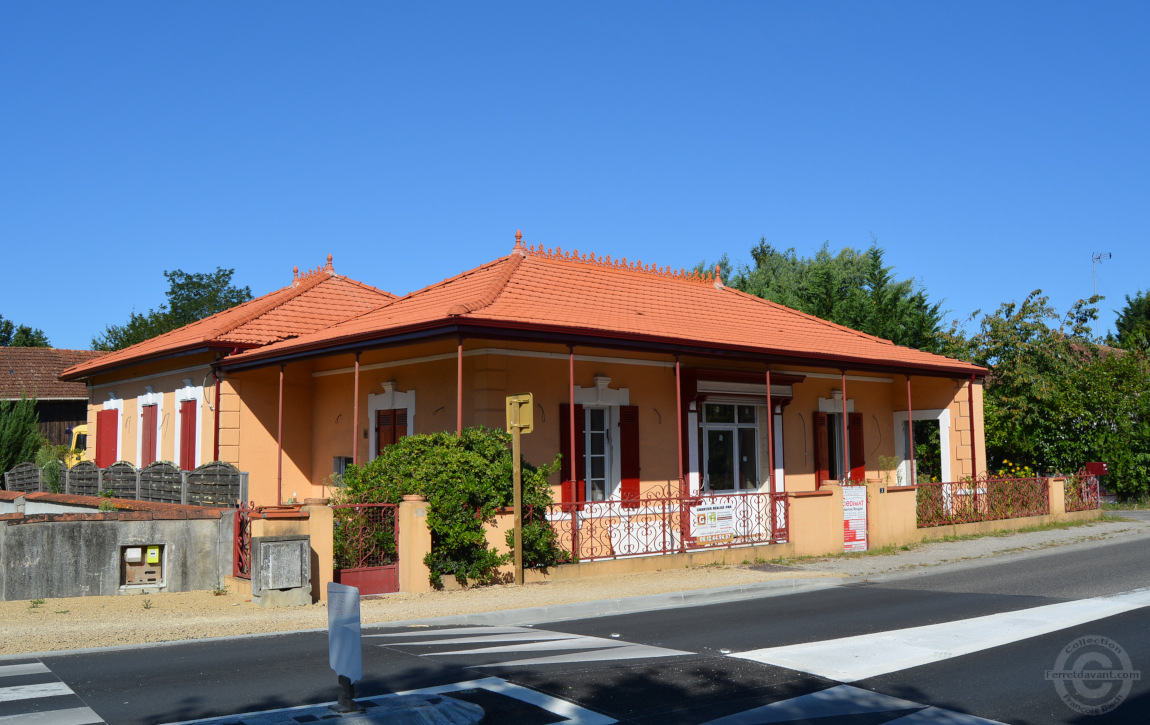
(844, 701)
(575, 715)
(526, 639)
(72, 716)
(28, 668)
(27, 692)
(851, 659)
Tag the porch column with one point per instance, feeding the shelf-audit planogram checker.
(970, 412)
(459, 389)
(910, 428)
(280, 442)
(355, 415)
(679, 422)
(770, 437)
(574, 468)
(846, 437)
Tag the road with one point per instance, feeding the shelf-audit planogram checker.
(980, 642)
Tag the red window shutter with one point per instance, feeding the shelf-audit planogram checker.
(822, 459)
(629, 455)
(857, 447)
(384, 429)
(400, 423)
(107, 421)
(148, 435)
(188, 435)
(576, 490)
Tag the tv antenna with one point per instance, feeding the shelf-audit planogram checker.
(1095, 260)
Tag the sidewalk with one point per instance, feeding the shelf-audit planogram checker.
(80, 623)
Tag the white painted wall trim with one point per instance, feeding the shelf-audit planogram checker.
(156, 399)
(830, 405)
(693, 481)
(116, 404)
(387, 400)
(494, 351)
(759, 389)
(943, 417)
(194, 393)
(609, 399)
(181, 371)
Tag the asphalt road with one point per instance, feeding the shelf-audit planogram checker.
(687, 665)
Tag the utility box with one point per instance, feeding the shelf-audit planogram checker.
(281, 570)
(142, 565)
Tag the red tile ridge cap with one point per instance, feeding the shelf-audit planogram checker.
(510, 263)
(300, 284)
(558, 255)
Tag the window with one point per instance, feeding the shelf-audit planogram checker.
(606, 454)
(831, 455)
(598, 447)
(730, 435)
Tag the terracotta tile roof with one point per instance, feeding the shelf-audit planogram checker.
(313, 301)
(36, 371)
(551, 291)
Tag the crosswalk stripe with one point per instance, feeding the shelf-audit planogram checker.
(851, 659)
(27, 692)
(71, 716)
(28, 668)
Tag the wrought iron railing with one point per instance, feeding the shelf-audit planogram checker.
(1081, 492)
(980, 499)
(665, 522)
(242, 549)
(366, 535)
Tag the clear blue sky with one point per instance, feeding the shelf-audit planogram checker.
(990, 147)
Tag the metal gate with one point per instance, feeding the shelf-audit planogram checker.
(366, 539)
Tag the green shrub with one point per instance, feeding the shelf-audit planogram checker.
(466, 479)
(19, 432)
(50, 460)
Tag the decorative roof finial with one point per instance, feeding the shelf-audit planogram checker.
(718, 277)
(329, 263)
(295, 274)
(519, 248)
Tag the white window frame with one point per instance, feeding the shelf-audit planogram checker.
(780, 464)
(733, 428)
(942, 415)
(609, 399)
(833, 407)
(389, 399)
(116, 404)
(193, 393)
(142, 401)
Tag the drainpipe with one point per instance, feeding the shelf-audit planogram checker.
(355, 415)
(459, 389)
(970, 412)
(846, 438)
(280, 442)
(770, 437)
(910, 427)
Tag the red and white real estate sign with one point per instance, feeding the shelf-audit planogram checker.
(854, 518)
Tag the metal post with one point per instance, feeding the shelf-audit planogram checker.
(846, 439)
(970, 412)
(459, 389)
(517, 495)
(679, 424)
(216, 442)
(910, 429)
(355, 415)
(280, 442)
(770, 437)
(571, 448)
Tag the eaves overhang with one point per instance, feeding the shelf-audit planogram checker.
(192, 349)
(554, 334)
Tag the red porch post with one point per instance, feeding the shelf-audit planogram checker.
(846, 437)
(355, 415)
(574, 468)
(280, 442)
(770, 437)
(459, 389)
(216, 440)
(679, 423)
(910, 428)
(970, 412)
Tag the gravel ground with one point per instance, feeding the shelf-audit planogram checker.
(83, 622)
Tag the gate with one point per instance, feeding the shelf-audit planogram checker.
(366, 539)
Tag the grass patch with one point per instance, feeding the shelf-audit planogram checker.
(1140, 503)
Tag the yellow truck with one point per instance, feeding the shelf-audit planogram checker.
(78, 450)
